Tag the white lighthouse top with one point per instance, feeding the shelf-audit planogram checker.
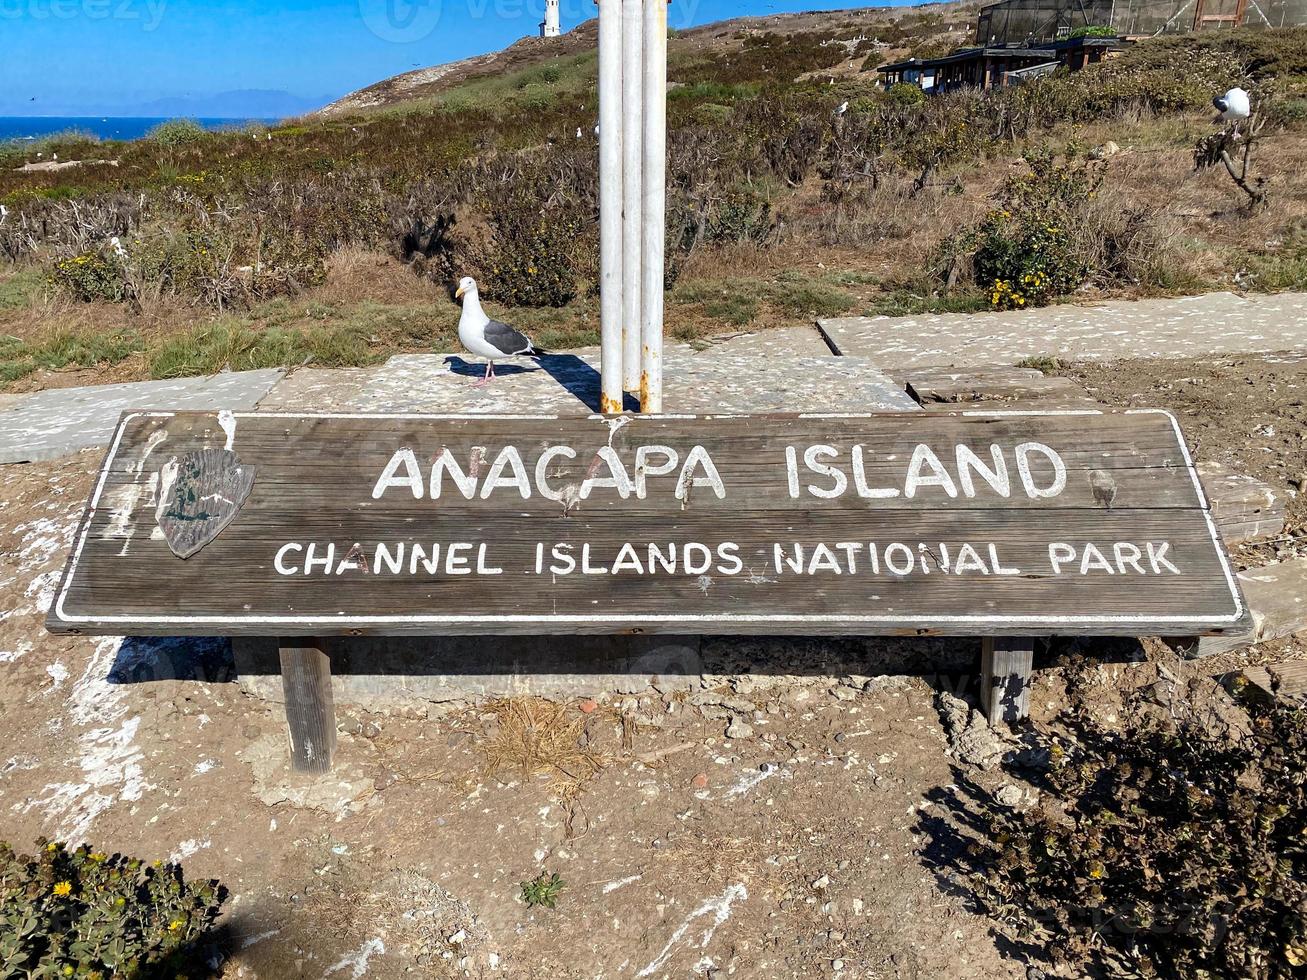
(552, 24)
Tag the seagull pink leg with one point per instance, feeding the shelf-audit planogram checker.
(490, 373)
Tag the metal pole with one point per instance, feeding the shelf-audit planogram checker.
(655, 204)
(610, 204)
(632, 138)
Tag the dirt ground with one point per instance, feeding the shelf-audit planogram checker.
(794, 819)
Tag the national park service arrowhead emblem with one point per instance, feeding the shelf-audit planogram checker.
(199, 495)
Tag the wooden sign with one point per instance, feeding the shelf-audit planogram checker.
(1065, 522)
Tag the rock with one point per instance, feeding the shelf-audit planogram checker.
(1104, 151)
(738, 729)
(709, 698)
(842, 693)
(971, 740)
(821, 884)
(700, 781)
(1009, 795)
(796, 697)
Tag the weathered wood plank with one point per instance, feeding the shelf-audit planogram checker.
(1006, 665)
(1277, 600)
(310, 709)
(776, 524)
(995, 387)
(1245, 508)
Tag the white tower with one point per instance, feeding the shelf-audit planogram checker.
(552, 25)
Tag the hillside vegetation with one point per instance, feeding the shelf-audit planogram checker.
(335, 238)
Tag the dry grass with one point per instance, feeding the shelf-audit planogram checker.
(355, 274)
(537, 737)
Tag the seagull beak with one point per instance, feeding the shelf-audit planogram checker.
(459, 293)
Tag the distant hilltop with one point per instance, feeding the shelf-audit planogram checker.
(899, 28)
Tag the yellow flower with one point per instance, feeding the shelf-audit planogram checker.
(175, 925)
(99, 856)
(63, 889)
(52, 847)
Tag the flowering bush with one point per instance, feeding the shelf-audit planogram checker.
(1024, 251)
(92, 276)
(87, 914)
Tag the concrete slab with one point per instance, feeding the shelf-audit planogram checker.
(8, 402)
(568, 384)
(50, 424)
(1217, 323)
(780, 342)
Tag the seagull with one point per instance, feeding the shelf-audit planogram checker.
(488, 338)
(1234, 106)
(842, 109)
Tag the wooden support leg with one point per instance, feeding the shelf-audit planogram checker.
(1006, 663)
(310, 710)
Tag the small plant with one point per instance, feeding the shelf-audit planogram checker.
(542, 890)
(84, 913)
(1044, 363)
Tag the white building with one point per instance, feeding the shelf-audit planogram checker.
(552, 26)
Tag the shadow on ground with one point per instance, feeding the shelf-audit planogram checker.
(571, 373)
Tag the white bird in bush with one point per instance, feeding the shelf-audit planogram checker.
(842, 109)
(1234, 106)
(488, 338)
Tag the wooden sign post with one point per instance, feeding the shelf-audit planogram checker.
(1011, 525)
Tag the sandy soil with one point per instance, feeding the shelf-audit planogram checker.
(823, 836)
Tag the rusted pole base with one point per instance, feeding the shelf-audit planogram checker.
(310, 709)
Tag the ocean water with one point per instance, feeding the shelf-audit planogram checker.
(112, 128)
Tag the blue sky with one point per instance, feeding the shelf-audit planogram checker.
(101, 54)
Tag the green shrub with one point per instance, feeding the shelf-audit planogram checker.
(531, 259)
(91, 276)
(87, 914)
(1023, 251)
(176, 132)
(905, 93)
(1161, 854)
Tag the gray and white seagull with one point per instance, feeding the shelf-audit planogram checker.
(488, 338)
